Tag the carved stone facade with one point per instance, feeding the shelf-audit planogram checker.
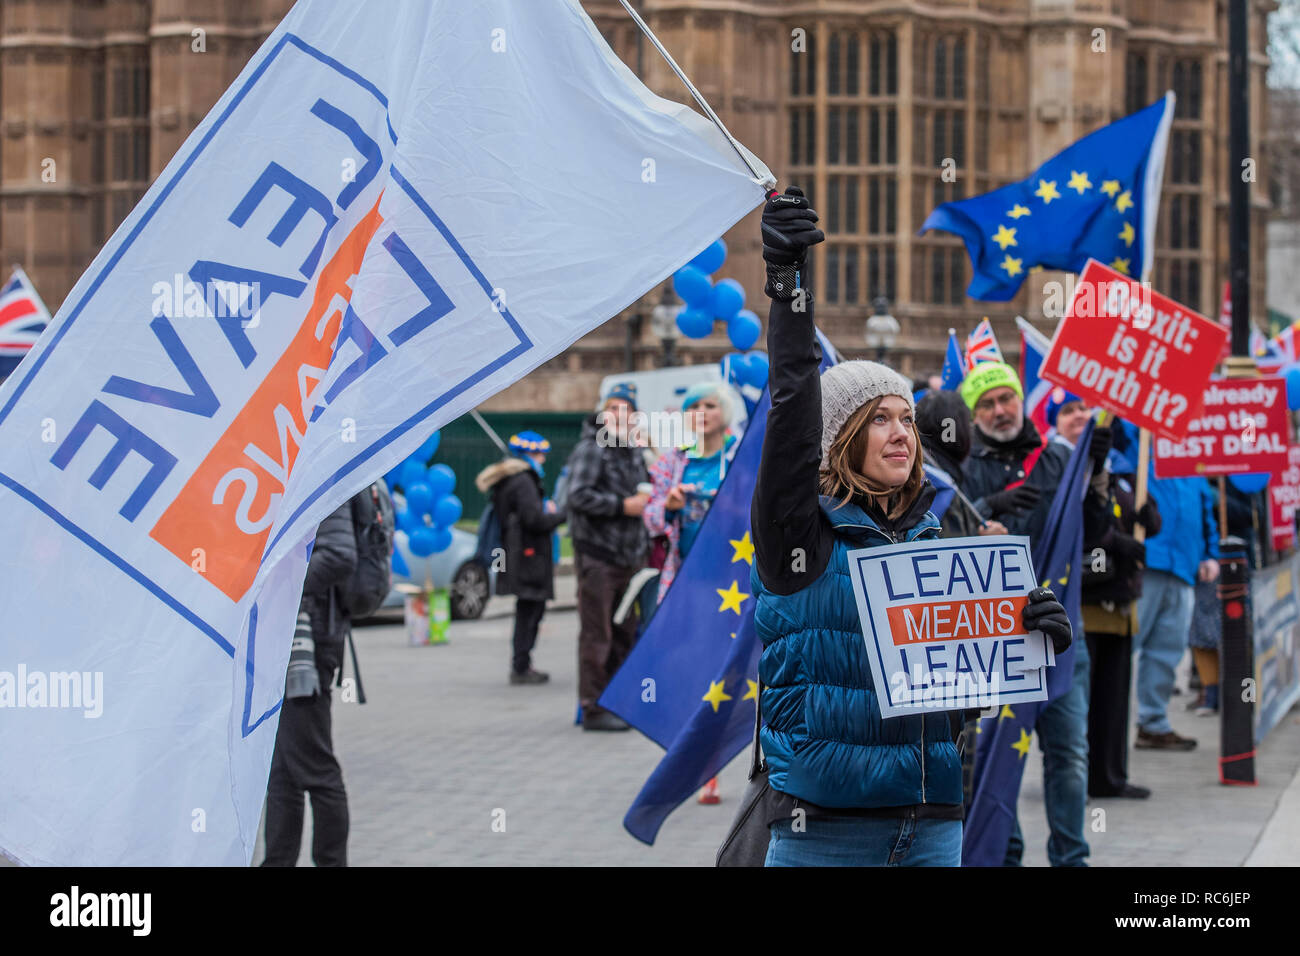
(859, 102)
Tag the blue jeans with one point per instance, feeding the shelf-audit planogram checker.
(1164, 618)
(865, 841)
(1062, 730)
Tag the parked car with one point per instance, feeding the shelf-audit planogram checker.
(468, 581)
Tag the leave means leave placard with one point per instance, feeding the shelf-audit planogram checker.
(942, 624)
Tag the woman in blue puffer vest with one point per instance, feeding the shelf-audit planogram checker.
(841, 469)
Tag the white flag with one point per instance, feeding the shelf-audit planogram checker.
(386, 219)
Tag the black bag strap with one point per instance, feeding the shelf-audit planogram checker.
(757, 764)
(356, 671)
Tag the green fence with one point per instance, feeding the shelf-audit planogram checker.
(467, 449)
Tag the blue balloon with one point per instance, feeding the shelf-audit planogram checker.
(442, 480)
(694, 286)
(728, 298)
(710, 260)
(1292, 375)
(732, 367)
(447, 511)
(441, 539)
(1250, 482)
(695, 323)
(410, 473)
(743, 329)
(422, 542)
(755, 369)
(429, 448)
(419, 499)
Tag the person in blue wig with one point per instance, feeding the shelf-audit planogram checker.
(687, 479)
(527, 521)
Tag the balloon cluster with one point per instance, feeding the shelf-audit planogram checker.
(708, 302)
(431, 508)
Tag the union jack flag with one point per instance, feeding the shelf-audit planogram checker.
(23, 318)
(982, 345)
(1270, 354)
(1034, 346)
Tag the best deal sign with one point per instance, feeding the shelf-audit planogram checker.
(1241, 428)
(1131, 350)
(942, 624)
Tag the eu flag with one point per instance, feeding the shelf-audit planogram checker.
(691, 681)
(1096, 199)
(1004, 740)
(954, 364)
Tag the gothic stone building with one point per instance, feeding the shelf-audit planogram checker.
(864, 103)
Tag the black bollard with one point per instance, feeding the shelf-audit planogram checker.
(1237, 668)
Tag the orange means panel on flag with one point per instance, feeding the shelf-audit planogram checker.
(204, 516)
(969, 619)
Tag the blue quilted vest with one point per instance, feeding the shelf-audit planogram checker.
(822, 732)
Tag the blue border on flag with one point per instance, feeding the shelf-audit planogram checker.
(522, 345)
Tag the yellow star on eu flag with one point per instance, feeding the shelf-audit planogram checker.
(742, 550)
(731, 597)
(1004, 237)
(1018, 210)
(1012, 264)
(1110, 187)
(1006, 712)
(1120, 265)
(1127, 234)
(717, 695)
(1078, 182)
(1124, 201)
(1046, 191)
(752, 693)
(1021, 745)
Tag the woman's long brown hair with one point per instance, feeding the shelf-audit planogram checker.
(843, 475)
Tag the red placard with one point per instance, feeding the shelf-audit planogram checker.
(1242, 427)
(1133, 351)
(1283, 499)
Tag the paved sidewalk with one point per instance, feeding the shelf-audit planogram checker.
(445, 743)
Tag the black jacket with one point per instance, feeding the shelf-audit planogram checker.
(526, 528)
(1117, 577)
(333, 559)
(943, 421)
(993, 465)
(600, 477)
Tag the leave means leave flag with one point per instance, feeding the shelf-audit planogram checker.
(23, 317)
(1004, 740)
(1096, 199)
(690, 684)
(357, 245)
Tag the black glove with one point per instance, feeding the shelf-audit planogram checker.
(789, 228)
(1126, 547)
(1013, 499)
(1045, 613)
(1099, 448)
(1149, 517)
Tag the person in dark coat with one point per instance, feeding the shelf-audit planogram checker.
(609, 487)
(304, 759)
(1111, 585)
(1012, 475)
(943, 421)
(527, 521)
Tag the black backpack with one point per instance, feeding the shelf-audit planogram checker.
(373, 524)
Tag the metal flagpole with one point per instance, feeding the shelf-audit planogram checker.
(708, 110)
(496, 439)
